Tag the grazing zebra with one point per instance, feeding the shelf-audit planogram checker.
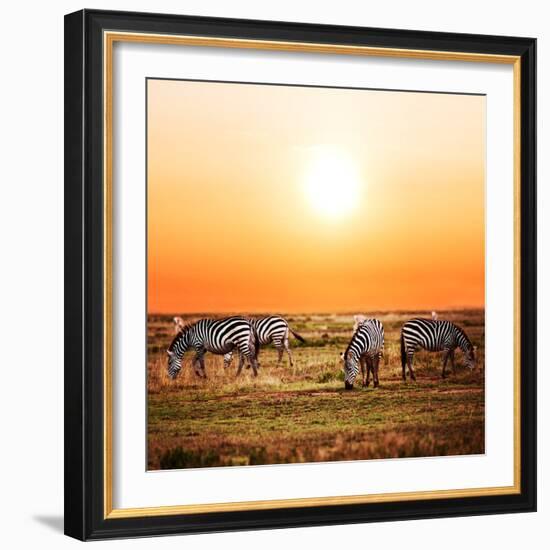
(218, 336)
(358, 321)
(272, 328)
(365, 348)
(434, 335)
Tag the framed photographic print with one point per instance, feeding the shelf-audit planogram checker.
(300, 274)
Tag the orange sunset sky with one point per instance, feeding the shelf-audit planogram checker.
(290, 199)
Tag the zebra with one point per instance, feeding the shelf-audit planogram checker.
(217, 336)
(272, 328)
(365, 348)
(434, 335)
(358, 321)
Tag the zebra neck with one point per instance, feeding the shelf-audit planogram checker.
(352, 355)
(181, 345)
(463, 342)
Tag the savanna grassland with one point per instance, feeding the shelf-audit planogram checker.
(302, 413)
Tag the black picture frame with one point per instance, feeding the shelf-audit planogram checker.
(84, 281)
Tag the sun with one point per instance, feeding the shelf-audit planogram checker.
(332, 183)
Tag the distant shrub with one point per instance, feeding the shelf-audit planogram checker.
(470, 322)
(327, 376)
(258, 455)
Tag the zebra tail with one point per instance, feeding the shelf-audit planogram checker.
(403, 354)
(297, 336)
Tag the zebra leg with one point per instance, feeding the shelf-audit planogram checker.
(375, 373)
(198, 359)
(371, 366)
(248, 350)
(369, 370)
(445, 357)
(364, 375)
(254, 366)
(452, 358)
(253, 346)
(247, 364)
(410, 365)
(203, 367)
(257, 352)
(227, 358)
(287, 347)
(255, 355)
(194, 364)
(289, 353)
(241, 363)
(253, 361)
(279, 346)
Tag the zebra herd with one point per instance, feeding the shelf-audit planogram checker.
(364, 351)
(223, 336)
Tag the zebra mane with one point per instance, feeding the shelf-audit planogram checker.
(354, 336)
(179, 336)
(347, 351)
(461, 331)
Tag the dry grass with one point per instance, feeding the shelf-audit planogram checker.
(302, 413)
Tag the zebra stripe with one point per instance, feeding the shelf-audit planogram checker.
(218, 336)
(434, 335)
(365, 349)
(271, 329)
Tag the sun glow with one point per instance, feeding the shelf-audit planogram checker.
(332, 183)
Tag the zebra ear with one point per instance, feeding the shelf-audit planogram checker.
(170, 353)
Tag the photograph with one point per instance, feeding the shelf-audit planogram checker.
(299, 274)
(315, 273)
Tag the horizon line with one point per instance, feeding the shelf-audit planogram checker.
(316, 312)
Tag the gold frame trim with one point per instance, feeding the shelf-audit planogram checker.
(109, 38)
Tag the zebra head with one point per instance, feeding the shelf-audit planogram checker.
(351, 369)
(468, 349)
(175, 352)
(174, 364)
(470, 357)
